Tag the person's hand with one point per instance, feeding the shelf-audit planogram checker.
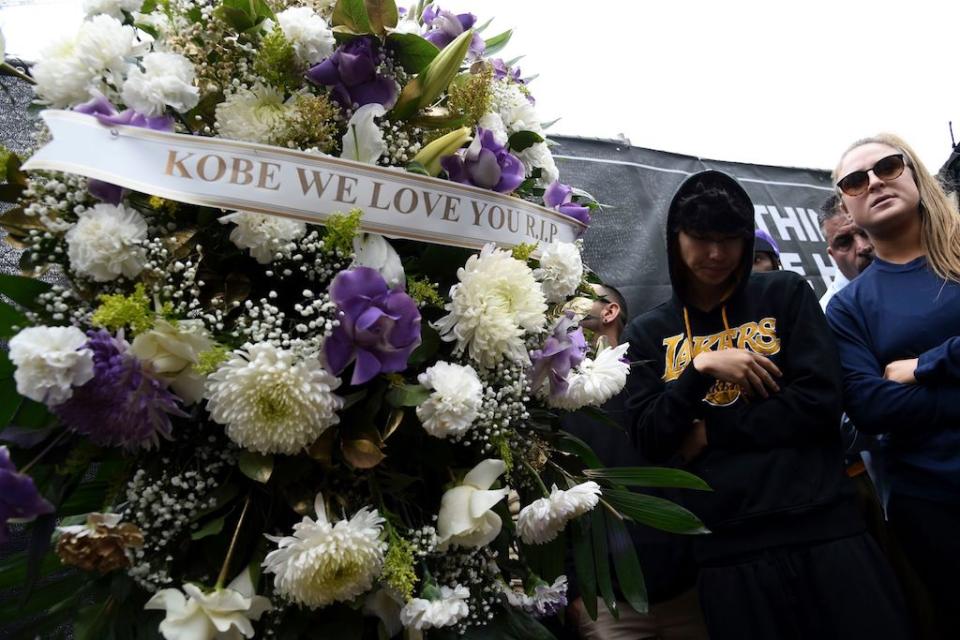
(902, 371)
(751, 371)
(694, 442)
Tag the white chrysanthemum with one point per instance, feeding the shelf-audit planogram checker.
(561, 270)
(50, 361)
(253, 115)
(455, 402)
(595, 381)
(105, 44)
(113, 8)
(166, 79)
(63, 79)
(495, 304)
(270, 401)
(309, 34)
(173, 350)
(546, 600)
(449, 609)
(263, 235)
(106, 242)
(323, 563)
(510, 102)
(539, 156)
(541, 520)
(221, 614)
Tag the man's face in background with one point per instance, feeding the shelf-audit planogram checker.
(848, 245)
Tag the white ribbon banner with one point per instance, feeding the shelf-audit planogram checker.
(226, 174)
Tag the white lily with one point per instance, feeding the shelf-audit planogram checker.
(222, 614)
(363, 141)
(373, 250)
(465, 517)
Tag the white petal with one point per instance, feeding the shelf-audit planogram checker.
(485, 473)
(483, 501)
(363, 141)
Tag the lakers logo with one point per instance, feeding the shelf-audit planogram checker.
(759, 337)
(722, 394)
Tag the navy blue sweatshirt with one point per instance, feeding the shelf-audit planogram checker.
(895, 312)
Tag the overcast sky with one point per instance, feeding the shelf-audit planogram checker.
(768, 82)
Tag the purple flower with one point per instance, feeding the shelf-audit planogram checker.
(559, 196)
(503, 72)
(561, 352)
(107, 115)
(486, 164)
(19, 498)
(445, 26)
(352, 73)
(123, 404)
(379, 327)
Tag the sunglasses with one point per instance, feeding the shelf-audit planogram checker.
(889, 168)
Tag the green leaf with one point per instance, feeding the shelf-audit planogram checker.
(416, 167)
(353, 15)
(434, 79)
(148, 6)
(71, 588)
(523, 140)
(601, 416)
(654, 512)
(626, 564)
(10, 318)
(245, 15)
(13, 569)
(212, 528)
(382, 14)
(649, 477)
(22, 290)
(572, 444)
(601, 556)
(413, 52)
(429, 344)
(409, 395)
(255, 466)
(584, 565)
(497, 42)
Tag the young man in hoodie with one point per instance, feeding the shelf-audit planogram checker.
(738, 374)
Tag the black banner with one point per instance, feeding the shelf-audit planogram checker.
(626, 244)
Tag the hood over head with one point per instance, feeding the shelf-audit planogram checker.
(709, 202)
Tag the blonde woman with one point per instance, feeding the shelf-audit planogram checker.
(897, 328)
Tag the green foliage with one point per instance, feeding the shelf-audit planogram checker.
(522, 140)
(649, 477)
(342, 229)
(424, 291)
(524, 250)
(398, 567)
(211, 359)
(655, 512)
(276, 61)
(117, 311)
(411, 51)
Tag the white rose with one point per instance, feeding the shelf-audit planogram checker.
(63, 79)
(363, 141)
(309, 34)
(455, 401)
(50, 361)
(166, 79)
(222, 614)
(113, 8)
(560, 272)
(465, 518)
(105, 243)
(173, 350)
(372, 250)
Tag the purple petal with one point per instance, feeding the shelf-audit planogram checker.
(97, 106)
(467, 20)
(512, 173)
(381, 90)
(326, 72)
(556, 194)
(477, 46)
(357, 282)
(438, 38)
(575, 211)
(367, 366)
(369, 318)
(455, 168)
(355, 68)
(485, 170)
(430, 14)
(338, 349)
(105, 191)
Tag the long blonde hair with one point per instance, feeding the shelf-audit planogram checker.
(939, 218)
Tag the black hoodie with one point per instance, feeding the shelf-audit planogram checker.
(775, 464)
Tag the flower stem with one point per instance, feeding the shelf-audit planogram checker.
(536, 476)
(12, 70)
(233, 543)
(45, 451)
